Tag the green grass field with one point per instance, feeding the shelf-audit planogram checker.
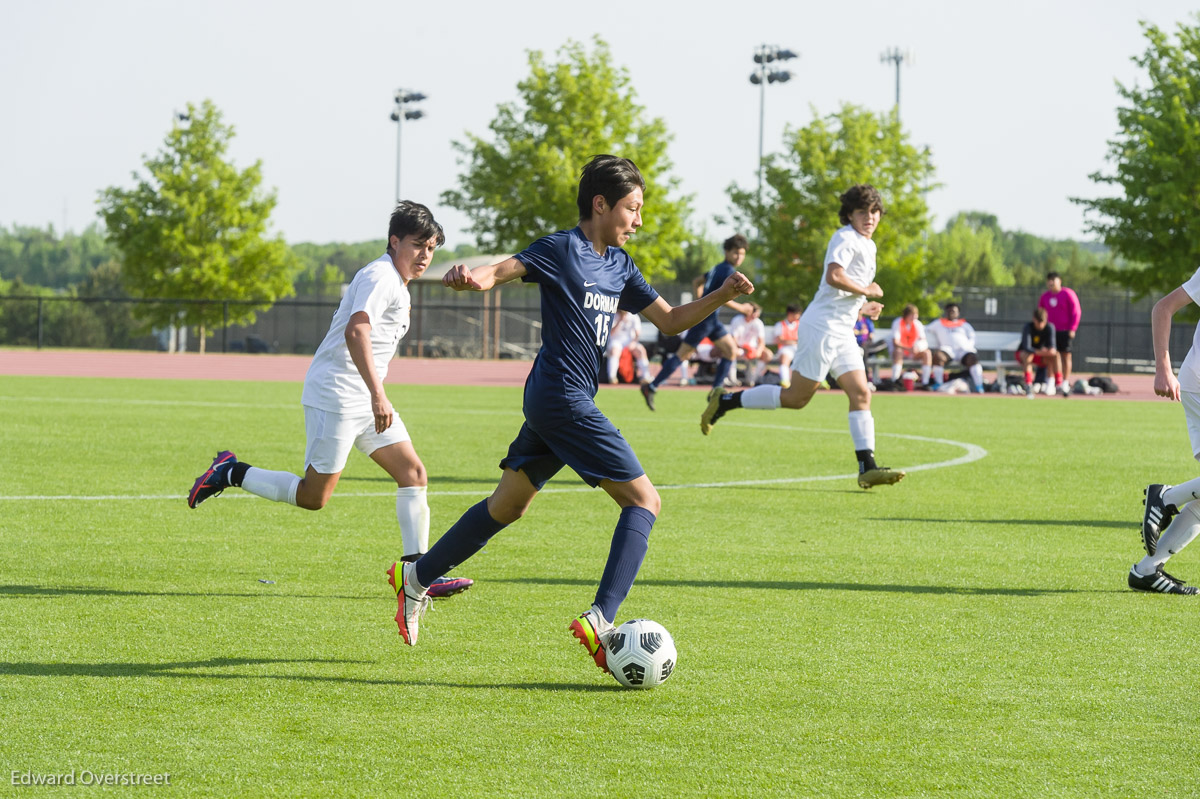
(965, 633)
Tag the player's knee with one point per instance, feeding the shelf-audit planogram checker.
(970, 359)
(304, 500)
(413, 475)
(504, 510)
(650, 500)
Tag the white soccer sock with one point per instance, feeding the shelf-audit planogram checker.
(761, 398)
(643, 369)
(897, 370)
(614, 363)
(1182, 530)
(412, 511)
(275, 486)
(1184, 492)
(976, 373)
(925, 373)
(862, 430)
(939, 374)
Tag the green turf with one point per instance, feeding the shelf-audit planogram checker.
(965, 633)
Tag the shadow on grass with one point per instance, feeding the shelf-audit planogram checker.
(196, 669)
(804, 585)
(1123, 525)
(84, 590)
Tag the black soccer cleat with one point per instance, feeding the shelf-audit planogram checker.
(1156, 517)
(214, 481)
(1161, 583)
(648, 395)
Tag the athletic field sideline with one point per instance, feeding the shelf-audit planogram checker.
(413, 371)
(967, 632)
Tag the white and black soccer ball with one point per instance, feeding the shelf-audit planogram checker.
(641, 654)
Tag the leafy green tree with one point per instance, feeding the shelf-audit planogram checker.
(967, 253)
(799, 209)
(522, 184)
(1153, 218)
(195, 228)
(44, 258)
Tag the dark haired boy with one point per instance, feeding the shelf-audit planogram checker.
(1037, 350)
(826, 336)
(344, 401)
(710, 328)
(584, 277)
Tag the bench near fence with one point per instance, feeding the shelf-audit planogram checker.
(996, 349)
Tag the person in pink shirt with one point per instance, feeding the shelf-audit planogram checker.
(1062, 311)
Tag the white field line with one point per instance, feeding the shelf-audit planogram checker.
(971, 453)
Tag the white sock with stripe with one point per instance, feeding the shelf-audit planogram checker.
(1184, 492)
(412, 512)
(275, 486)
(1182, 530)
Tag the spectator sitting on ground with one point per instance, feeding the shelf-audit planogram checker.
(786, 336)
(750, 335)
(953, 339)
(908, 343)
(1037, 349)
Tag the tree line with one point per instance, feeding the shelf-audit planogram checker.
(194, 225)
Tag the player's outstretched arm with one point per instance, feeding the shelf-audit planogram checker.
(675, 320)
(483, 278)
(1165, 382)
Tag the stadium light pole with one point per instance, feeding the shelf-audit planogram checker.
(896, 56)
(764, 56)
(403, 97)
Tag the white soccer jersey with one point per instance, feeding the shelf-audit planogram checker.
(957, 340)
(333, 382)
(1189, 371)
(833, 310)
(747, 333)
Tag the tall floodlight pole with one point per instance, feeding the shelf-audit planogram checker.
(896, 56)
(403, 97)
(764, 56)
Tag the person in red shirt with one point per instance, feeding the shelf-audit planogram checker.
(1062, 311)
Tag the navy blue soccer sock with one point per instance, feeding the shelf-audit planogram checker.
(723, 367)
(630, 541)
(468, 535)
(670, 364)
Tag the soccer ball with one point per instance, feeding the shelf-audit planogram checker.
(641, 654)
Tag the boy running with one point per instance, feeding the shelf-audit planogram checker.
(344, 402)
(710, 327)
(826, 336)
(1172, 511)
(584, 277)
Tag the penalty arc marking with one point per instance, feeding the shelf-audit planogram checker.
(971, 453)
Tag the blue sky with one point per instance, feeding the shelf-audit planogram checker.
(1015, 100)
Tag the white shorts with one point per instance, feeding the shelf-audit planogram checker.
(787, 349)
(331, 435)
(917, 348)
(956, 353)
(1191, 412)
(828, 355)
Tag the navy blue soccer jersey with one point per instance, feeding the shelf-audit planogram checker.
(581, 292)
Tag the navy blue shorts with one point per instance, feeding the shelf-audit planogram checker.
(590, 444)
(711, 328)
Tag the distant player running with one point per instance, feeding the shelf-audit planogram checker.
(711, 327)
(826, 336)
(344, 401)
(1172, 512)
(584, 277)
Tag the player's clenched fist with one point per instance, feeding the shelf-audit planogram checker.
(459, 278)
(738, 284)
